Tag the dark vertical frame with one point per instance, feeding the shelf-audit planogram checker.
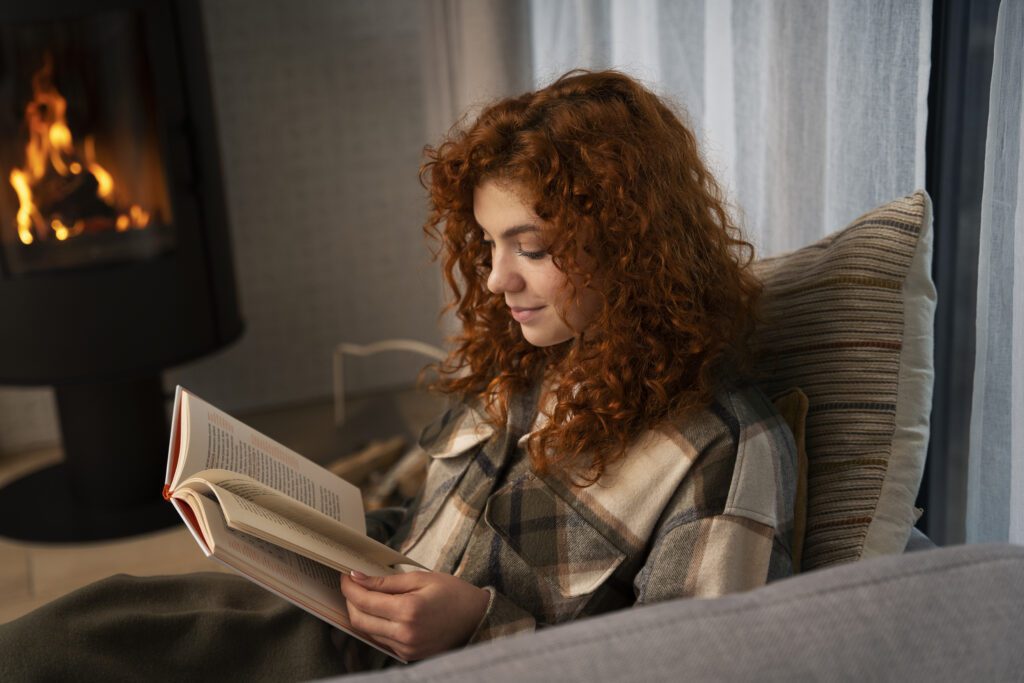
(200, 128)
(963, 33)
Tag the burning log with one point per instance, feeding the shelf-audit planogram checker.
(72, 199)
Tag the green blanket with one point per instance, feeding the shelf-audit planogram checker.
(193, 627)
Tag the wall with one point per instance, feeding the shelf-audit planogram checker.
(319, 104)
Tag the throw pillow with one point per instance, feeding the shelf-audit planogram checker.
(849, 320)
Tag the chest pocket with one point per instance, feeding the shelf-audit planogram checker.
(540, 551)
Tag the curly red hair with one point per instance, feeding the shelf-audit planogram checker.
(618, 177)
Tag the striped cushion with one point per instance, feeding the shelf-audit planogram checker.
(849, 321)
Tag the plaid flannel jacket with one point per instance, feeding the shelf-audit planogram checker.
(700, 507)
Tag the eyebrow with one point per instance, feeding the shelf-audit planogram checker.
(515, 230)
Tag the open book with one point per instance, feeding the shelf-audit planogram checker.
(270, 514)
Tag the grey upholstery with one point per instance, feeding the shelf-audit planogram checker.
(944, 614)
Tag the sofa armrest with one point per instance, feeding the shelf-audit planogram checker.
(911, 616)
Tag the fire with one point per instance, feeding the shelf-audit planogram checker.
(52, 160)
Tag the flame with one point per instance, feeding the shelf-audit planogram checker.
(106, 183)
(103, 179)
(28, 215)
(51, 146)
(62, 232)
(140, 218)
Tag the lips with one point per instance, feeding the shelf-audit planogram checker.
(522, 314)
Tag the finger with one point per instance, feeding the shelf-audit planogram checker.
(395, 583)
(384, 605)
(376, 627)
(398, 648)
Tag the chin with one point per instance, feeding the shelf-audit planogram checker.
(540, 339)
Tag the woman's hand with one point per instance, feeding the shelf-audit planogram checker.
(417, 614)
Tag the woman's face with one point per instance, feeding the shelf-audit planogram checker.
(522, 271)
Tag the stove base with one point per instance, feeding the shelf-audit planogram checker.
(41, 507)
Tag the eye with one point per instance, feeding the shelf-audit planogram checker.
(532, 255)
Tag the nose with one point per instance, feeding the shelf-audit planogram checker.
(504, 277)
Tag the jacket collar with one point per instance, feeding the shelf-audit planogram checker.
(465, 425)
(541, 420)
(460, 429)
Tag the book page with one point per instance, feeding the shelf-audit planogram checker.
(303, 582)
(212, 439)
(192, 523)
(248, 506)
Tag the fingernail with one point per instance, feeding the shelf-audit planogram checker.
(358, 576)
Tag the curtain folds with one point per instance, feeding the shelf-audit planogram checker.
(995, 491)
(811, 112)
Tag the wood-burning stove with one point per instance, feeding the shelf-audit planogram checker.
(115, 257)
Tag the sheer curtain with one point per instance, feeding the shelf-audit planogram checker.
(475, 51)
(811, 112)
(995, 493)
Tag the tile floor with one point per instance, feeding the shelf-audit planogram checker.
(32, 573)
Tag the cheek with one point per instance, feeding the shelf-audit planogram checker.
(591, 304)
(582, 312)
(586, 312)
(550, 283)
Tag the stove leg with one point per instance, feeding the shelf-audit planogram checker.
(115, 441)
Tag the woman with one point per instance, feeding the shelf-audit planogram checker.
(603, 449)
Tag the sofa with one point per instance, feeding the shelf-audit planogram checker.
(844, 348)
(940, 614)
